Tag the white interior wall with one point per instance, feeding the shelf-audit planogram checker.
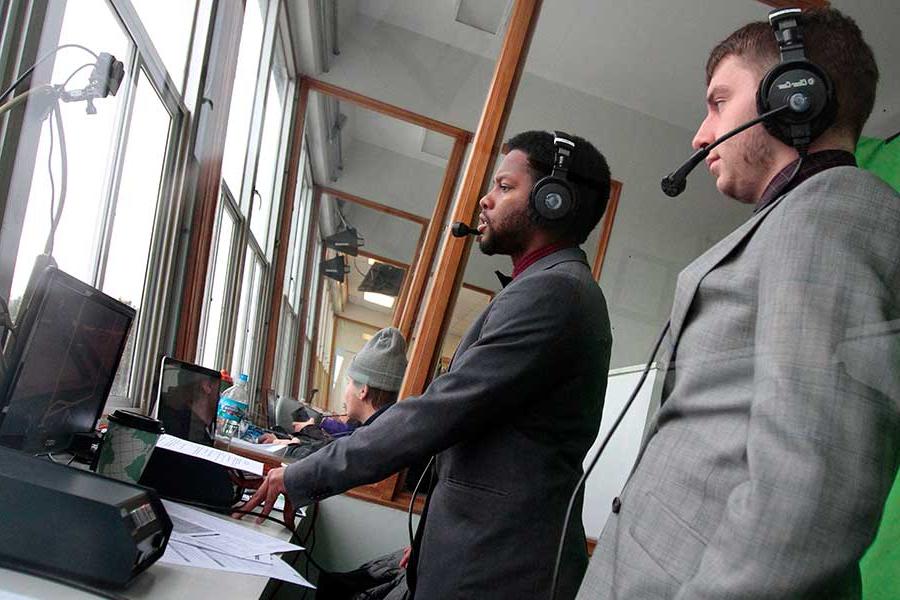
(350, 532)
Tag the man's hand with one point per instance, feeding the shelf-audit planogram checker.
(298, 425)
(266, 438)
(268, 492)
(404, 562)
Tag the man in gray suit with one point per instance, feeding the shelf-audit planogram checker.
(764, 473)
(511, 421)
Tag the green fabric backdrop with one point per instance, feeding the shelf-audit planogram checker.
(881, 563)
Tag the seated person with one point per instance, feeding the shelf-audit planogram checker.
(336, 425)
(373, 381)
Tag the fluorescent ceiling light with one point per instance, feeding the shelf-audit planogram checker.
(379, 299)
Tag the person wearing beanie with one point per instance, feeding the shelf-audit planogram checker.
(510, 422)
(374, 376)
(373, 381)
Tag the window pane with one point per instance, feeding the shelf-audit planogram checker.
(298, 272)
(247, 326)
(240, 334)
(314, 282)
(89, 140)
(268, 163)
(169, 23)
(287, 344)
(216, 300)
(142, 171)
(296, 223)
(138, 196)
(242, 97)
(252, 317)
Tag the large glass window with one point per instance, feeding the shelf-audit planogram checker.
(221, 262)
(132, 219)
(244, 91)
(289, 321)
(91, 142)
(234, 332)
(110, 171)
(270, 150)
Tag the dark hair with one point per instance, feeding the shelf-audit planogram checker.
(588, 176)
(833, 42)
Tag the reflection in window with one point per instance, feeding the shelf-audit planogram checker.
(135, 207)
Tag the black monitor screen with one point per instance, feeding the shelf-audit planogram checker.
(61, 364)
(188, 398)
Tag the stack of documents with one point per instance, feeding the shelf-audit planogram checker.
(209, 542)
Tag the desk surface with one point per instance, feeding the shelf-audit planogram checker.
(160, 581)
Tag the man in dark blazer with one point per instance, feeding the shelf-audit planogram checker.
(764, 473)
(512, 420)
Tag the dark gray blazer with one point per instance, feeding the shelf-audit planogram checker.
(510, 422)
(765, 472)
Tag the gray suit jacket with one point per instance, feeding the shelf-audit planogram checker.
(765, 471)
(511, 422)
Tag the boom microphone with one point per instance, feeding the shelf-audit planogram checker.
(460, 229)
(674, 183)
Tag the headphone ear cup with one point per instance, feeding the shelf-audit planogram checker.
(552, 198)
(796, 83)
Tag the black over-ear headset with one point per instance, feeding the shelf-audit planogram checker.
(797, 82)
(552, 197)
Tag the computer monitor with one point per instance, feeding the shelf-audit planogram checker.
(61, 363)
(187, 398)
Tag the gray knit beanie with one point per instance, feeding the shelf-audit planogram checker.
(382, 361)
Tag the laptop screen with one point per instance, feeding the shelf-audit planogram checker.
(187, 398)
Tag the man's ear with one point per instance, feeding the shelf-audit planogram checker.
(364, 392)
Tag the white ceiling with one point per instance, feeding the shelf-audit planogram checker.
(645, 55)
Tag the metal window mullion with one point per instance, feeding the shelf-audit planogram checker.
(114, 173)
(157, 282)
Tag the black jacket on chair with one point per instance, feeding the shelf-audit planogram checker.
(510, 422)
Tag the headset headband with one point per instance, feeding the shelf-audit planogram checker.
(565, 146)
(786, 26)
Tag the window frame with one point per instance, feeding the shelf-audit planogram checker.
(142, 59)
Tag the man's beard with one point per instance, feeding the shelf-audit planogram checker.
(510, 237)
(755, 158)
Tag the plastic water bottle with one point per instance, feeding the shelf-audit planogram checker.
(232, 408)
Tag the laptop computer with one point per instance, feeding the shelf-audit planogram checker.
(186, 400)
